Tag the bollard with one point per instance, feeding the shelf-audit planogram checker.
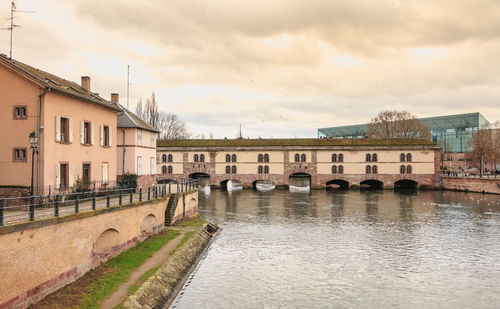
(56, 208)
(131, 196)
(93, 200)
(32, 209)
(77, 203)
(120, 198)
(2, 205)
(149, 193)
(140, 194)
(169, 188)
(107, 200)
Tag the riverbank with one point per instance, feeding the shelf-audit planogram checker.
(110, 284)
(160, 290)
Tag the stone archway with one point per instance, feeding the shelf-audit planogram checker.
(406, 184)
(337, 184)
(371, 184)
(107, 240)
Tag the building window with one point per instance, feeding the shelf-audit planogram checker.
(374, 157)
(303, 158)
(196, 159)
(266, 169)
(260, 158)
(266, 157)
(408, 157)
(19, 154)
(368, 158)
(163, 169)
(334, 169)
(86, 172)
(334, 157)
(341, 169)
(152, 169)
(202, 158)
(152, 139)
(341, 157)
(86, 133)
(64, 130)
(374, 169)
(170, 169)
(170, 158)
(368, 169)
(402, 169)
(139, 137)
(228, 169)
(105, 172)
(164, 158)
(139, 165)
(260, 170)
(408, 169)
(402, 157)
(64, 172)
(297, 157)
(233, 158)
(233, 169)
(20, 112)
(228, 158)
(105, 136)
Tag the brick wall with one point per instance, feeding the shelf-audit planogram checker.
(473, 185)
(39, 257)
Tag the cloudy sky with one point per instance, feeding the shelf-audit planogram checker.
(280, 68)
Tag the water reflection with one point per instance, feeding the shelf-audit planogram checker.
(422, 249)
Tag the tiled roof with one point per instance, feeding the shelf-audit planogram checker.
(128, 119)
(293, 142)
(53, 82)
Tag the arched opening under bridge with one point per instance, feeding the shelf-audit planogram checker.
(337, 184)
(203, 179)
(371, 184)
(406, 184)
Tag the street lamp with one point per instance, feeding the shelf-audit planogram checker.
(33, 138)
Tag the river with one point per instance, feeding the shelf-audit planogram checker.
(352, 249)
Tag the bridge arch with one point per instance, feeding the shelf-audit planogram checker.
(337, 184)
(371, 184)
(406, 184)
(224, 184)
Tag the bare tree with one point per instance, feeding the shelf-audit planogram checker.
(481, 144)
(395, 124)
(495, 151)
(170, 125)
(444, 149)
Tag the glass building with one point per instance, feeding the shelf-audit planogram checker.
(451, 132)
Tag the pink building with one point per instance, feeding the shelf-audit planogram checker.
(136, 142)
(76, 129)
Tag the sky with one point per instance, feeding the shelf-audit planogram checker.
(278, 68)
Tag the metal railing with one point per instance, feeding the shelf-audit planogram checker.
(469, 176)
(21, 209)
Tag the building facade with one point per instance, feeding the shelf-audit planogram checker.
(450, 132)
(382, 163)
(136, 142)
(76, 130)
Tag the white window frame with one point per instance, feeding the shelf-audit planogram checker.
(139, 166)
(139, 137)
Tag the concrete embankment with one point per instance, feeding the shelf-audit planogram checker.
(161, 288)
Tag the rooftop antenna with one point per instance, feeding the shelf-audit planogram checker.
(13, 10)
(240, 136)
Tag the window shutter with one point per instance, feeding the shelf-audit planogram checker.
(101, 135)
(70, 130)
(92, 133)
(58, 129)
(82, 128)
(71, 176)
(105, 172)
(110, 129)
(58, 175)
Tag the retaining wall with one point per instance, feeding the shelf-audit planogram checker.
(470, 184)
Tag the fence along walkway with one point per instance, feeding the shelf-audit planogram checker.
(23, 209)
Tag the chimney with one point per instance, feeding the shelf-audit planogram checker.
(115, 98)
(86, 83)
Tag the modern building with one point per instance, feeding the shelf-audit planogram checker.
(322, 162)
(451, 132)
(76, 130)
(136, 146)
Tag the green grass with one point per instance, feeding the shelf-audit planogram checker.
(186, 237)
(291, 142)
(195, 222)
(122, 266)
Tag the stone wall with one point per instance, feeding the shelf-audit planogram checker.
(187, 206)
(472, 185)
(37, 258)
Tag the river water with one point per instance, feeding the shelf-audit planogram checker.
(352, 249)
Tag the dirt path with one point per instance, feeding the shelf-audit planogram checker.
(158, 258)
